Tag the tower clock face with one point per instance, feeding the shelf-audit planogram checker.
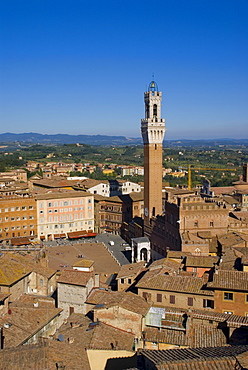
(146, 212)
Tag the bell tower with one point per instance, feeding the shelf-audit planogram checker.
(153, 130)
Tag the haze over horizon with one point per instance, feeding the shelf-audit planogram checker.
(81, 68)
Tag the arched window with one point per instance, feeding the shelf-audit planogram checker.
(155, 110)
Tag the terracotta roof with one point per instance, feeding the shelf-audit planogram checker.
(45, 355)
(168, 336)
(24, 322)
(14, 266)
(201, 261)
(135, 196)
(127, 300)
(241, 215)
(95, 335)
(234, 321)
(54, 183)
(175, 283)
(132, 269)
(89, 183)
(11, 270)
(205, 336)
(222, 189)
(197, 336)
(230, 280)
(167, 263)
(230, 239)
(75, 277)
(108, 337)
(29, 300)
(212, 358)
(62, 195)
(177, 254)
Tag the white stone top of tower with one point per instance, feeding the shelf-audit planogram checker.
(153, 126)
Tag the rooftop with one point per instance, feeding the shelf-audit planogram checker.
(127, 300)
(230, 280)
(175, 283)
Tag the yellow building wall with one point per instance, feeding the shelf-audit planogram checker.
(98, 359)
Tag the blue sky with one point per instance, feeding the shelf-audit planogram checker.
(81, 67)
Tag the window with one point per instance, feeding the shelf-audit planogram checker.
(50, 204)
(211, 224)
(12, 209)
(228, 312)
(172, 299)
(31, 207)
(24, 208)
(56, 226)
(246, 298)
(146, 296)
(228, 296)
(129, 281)
(122, 281)
(159, 297)
(66, 204)
(196, 224)
(190, 301)
(208, 303)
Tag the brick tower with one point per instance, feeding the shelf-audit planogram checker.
(153, 130)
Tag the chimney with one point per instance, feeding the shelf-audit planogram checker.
(97, 280)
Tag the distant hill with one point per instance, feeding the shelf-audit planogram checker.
(34, 138)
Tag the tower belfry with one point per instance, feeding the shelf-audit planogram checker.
(153, 130)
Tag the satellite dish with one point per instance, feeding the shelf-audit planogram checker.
(61, 337)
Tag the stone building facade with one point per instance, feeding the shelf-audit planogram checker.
(18, 218)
